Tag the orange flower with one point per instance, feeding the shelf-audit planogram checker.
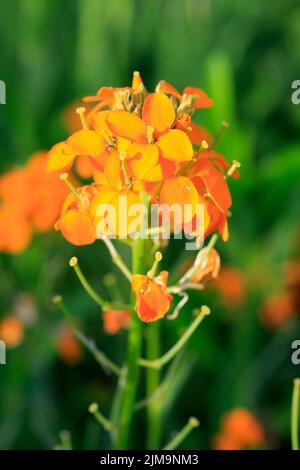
(68, 346)
(278, 309)
(115, 320)
(232, 287)
(11, 331)
(153, 136)
(210, 268)
(191, 96)
(240, 429)
(153, 301)
(75, 222)
(117, 98)
(223, 442)
(47, 193)
(16, 232)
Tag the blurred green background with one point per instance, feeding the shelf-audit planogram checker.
(246, 56)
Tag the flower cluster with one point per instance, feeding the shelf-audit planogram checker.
(30, 200)
(134, 142)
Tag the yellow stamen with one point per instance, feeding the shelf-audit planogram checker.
(150, 132)
(109, 138)
(234, 166)
(158, 258)
(128, 180)
(81, 112)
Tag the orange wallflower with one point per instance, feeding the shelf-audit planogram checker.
(11, 331)
(30, 199)
(47, 193)
(239, 430)
(210, 268)
(232, 287)
(277, 309)
(75, 222)
(152, 299)
(68, 346)
(134, 141)
(115, 320)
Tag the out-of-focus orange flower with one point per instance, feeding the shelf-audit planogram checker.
(277, 309)
(152, 299)
(76, 222)
(232, 287)
(47, 193)
(30, 200)
(239, 430)
(16, 232)
(223, 442)
(291, 273)
(210, 268)
(115, 320)
(68, 346)
(11, 331)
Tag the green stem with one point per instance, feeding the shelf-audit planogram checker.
(152, 384)
(85, 284)
(174, 443)
(116, 258)
(133, 353)
(295, 415)
(100, 357)
(160, 362)
(105, 423)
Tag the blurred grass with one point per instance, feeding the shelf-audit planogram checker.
(246, 56)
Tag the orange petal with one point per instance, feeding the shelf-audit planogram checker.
(153, 304)
(165, 87)
(86, 142)
(181, 192)
(126, 221)
(112, 171)
(215, 185)
(127, 125)
(158, 112)
(137, 282)
(137, 82)
(99, 123)
(77, 228)
(84, 167)
(175, 145)
(143, 161)
(57, 159)
(197, 134)
(203, 100)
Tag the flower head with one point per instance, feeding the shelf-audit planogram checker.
(152, 299)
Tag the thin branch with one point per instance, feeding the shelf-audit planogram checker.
(85, 284)
(185, 431)
(100, 357)
(160, 362)
(116, 258)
